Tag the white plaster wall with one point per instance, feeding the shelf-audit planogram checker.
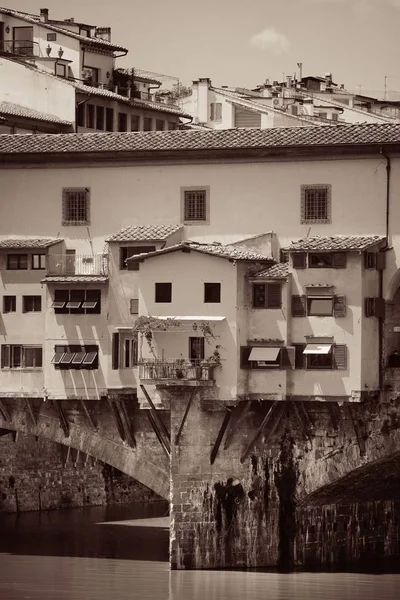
(100, 61)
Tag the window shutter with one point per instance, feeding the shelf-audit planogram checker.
(212, 111)
(340, 356)
(244, 357)
(299, 306)
(299, 357)
(379, 307)
(288, 357)
(218, 111)
(134, 306)
(274, 295)
(115, 351)
(381, 261)
(339, 306)
(339, 260)
(370, 260)
(299, 260)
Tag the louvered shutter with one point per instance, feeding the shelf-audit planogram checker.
(134, 306)
(244, 357)
(115, 351)
(340, 356)
(274, 295)
(339, 306)
(288, 357)
(299, 306)
(339, 260)
(299, 260)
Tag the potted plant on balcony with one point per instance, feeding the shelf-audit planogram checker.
(212, 362)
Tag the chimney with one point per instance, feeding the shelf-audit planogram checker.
(328, 82)
(44, 15)
(202, 99)
(104, 33)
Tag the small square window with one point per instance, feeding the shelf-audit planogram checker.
(163, 292)
(195, 205)
(76, 206)
(212, 292)
(9, 304)
(316, 203)
(31, 304)
(51, 37)
(38, 261)
(61, 70)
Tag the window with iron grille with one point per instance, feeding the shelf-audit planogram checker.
(195, 205)
(21, 357)
(316, 203)
(76, 206)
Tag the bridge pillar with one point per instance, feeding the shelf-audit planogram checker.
(224, 506)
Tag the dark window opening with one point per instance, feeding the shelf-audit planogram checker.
(172, 126)
(9, 304)
(212, 292)
(159, 125)
(76, 357)
(69, 302)
(122, 122)
(163, 292)
(100, 118)
(196, 349)
(80, 115)
(315, 204)
(135, 123)
(31, 304)
(128, 251)
(76, 206)
(17, 262)
(90, 116)
(267, 295)
(320, 261)
(147, 124)
(109, 119)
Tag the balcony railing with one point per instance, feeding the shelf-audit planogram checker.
(176, 370)
(27, 48)
(77, 264)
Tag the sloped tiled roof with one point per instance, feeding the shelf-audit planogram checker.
(75, 279)
(142, 75)
(352, 135)
(142, 233)
(29, 242)
(35, 20)
(229, 252)
(278, 271)
(335, 243)
(15, 110)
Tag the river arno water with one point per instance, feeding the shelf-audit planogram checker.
(122, 553)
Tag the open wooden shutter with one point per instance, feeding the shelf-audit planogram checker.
(115, 351)
(339, 306)
(339, 260)
(299, 260)
(274, 295)
(288, 357)
(340, 356)
(299, 306)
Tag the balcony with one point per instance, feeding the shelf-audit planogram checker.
(20, 48)
(77, 264)
(176, 372)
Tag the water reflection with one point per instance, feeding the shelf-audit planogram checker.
(122, 554)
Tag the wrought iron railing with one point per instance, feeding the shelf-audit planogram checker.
(77, 264)
(175, 369)
(20, 47)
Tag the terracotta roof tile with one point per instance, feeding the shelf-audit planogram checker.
(141, 233)
(15, 110)
(29, 242)
(230, 252)
(228, 139)
(335, 243)
(75, 279)
(278, 271)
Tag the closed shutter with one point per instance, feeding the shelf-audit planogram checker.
(381, 261)
(212, 111)
(299, 358)
(340, 356)
(299, 260)
(375, 307)
(134, 306)
(115, 351)
(274, 295)
(339, 260)
(299, 306)
(339, 306)
(288, 357)
(244, 357)
(247, 118)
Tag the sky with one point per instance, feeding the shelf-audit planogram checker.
(243, 42)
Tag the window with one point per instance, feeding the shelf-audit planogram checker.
(295, 109)
(17, 262)
(128, 251)
(100, 118)
(267, 357)
(196, 349)
(76, 206)
(336, 260)
(51, 37)
(109, 119)
(375, 307)
(90, 75)
(31, 304)
(38, 261)
(73, 302)
(122, 122)
(9, 304)
(76, 357)
(124, 351)
(61, 70)
(172, 126)
(212, 292)
(320, 356)
(163, 292)
(135, 123)
(299, 261)
(320, 306)
(147, 124)
(134, 306)
(195, 205)
(159, 125)
(335, 117)
(315, 305)
(316, 203)
(23, 40)
(90, 111)
(215, 111)
(267, 295)
(80, 115)
(21, 357)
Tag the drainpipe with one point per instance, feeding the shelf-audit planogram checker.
(385, 248)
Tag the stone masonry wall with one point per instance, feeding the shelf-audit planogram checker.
(36, 474)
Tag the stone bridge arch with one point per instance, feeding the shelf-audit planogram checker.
(97, 436)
